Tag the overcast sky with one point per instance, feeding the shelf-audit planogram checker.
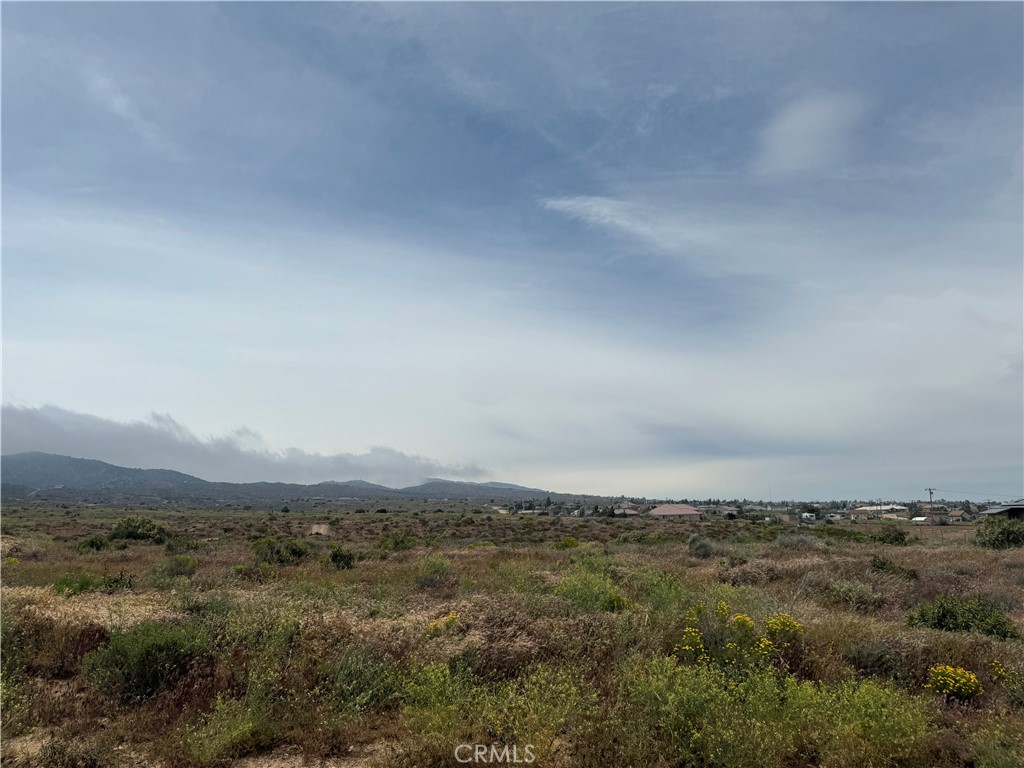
(659, 249)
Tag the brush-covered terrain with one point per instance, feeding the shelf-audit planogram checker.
(249, 638)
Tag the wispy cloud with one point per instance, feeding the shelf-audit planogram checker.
(110, 96)
(812, 134)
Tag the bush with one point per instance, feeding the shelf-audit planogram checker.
(1012, 681)
(280, 551)
(342, 559)
(1000, 534)
(700, 547)
(362, 682)
(233, 729)
(93, 543)
(954, 682)
(140, 662)
(540, 708)
(399, 542)
(589, 591)
(696, 716)
(77, 583)
(569, 542)
(885, 565)
(433, 571)
(179, 565)
(139, 529)
(957, 614)
(891, 534)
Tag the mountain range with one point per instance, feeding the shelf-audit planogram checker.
(53, 477)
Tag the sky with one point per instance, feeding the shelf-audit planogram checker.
(666, 250)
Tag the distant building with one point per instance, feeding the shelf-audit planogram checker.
(676, 511)
(878, 509)
(1013, 510)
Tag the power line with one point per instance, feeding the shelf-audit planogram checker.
(976, 493)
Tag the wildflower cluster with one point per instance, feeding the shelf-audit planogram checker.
(445, 625)
(691, 646)
(954, 682)
(783, 630)
(998, 670)
(732, 641)
(1011, 680)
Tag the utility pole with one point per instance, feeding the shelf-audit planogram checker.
(930, 492)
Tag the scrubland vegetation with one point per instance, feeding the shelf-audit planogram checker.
(199, 638)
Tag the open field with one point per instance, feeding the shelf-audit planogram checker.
(242, 637)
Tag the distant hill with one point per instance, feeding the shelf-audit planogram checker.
(29, 475)
(47, 470)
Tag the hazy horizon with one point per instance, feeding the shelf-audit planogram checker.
(661, 250)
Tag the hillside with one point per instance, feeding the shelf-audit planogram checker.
(29, 475)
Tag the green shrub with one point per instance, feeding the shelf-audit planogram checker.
(436, 701)
(957, 614)
(233, 729)
(589, 591)
(568, 542)
(141, 661)
(891, 534)
(433, 571)
(885, 565)
(544, 705)
(361, 682)
(700, 547)
(342, 559)
(280, 551)
(139, 529)
(173, 567)
(696, 716)
(659, 590)
(1000, 534)
(77, 583)
(1012, 680)
(399, 542)
(93, 543)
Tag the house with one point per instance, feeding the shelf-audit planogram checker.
(878, 509)
(1013, 510)
(676, 511)
(919, 520)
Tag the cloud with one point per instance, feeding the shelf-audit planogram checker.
(160, 442)
(108, 94)
(814, 133)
